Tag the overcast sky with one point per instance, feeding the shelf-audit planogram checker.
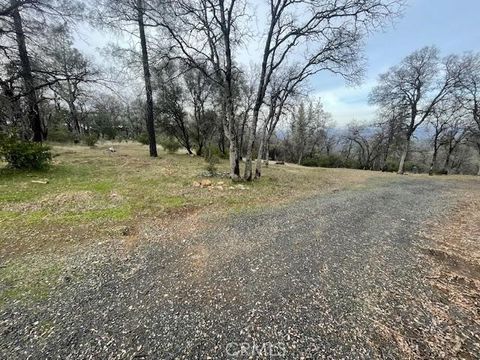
(451, 25)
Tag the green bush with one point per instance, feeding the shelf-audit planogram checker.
(25, 155)
(170, 144)
(60, 135)
(90, 140)
(143, 139)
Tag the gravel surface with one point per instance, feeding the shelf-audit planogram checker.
(334, 276)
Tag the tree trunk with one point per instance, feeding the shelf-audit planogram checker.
(231, 135)
(478, 146)
(267, 151)
(33, 112)
(300, 158)
(258, 165)
(401, 166)
(434, 156)
(148, 84)
(250, 141)
(446, 166)
(433, 162)
(74, 120)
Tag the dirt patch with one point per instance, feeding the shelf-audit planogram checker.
(452, 250)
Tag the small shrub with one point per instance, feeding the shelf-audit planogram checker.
(170, 144)
(390, 166)
(212, 162)
(414, 167)
(90, 140)
(143, 139)
(25, 155)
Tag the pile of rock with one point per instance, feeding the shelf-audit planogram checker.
(220, 185)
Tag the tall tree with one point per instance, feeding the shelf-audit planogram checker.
(149, 118)
(125, 15)
(469, 92)
(67, 70)
(443, 117)
(204, 34)
(418, 83)
(33, 111)
(19, 18)
(199, 89)
(327, 36)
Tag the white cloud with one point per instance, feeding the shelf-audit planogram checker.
(348, 103)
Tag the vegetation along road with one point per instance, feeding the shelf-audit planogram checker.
(386, 268)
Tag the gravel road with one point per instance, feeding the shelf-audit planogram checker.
(334, 276)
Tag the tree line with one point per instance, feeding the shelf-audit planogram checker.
(194, 90)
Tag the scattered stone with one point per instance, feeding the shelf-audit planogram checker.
(196, 184)
(111, 149)
(205, 183)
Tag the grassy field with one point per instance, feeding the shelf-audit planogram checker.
(91, 195)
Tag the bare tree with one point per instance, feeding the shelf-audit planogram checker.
(33, 111)
(470, 94)
(328, 36)
(282, 88)
(391, 125)
(172, 115)
(444, 116)
(131, 16)
(419, 83)
(18, 18)
(200, 90)
(454, 135)
(368, 144)
(66, 70)
(204, 34)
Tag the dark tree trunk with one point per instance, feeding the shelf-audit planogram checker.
(33, 112)
(446, 166)
(401, 166)
(148, 84)
(434, 156)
